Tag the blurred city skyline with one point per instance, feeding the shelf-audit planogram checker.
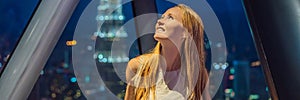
(59, 71)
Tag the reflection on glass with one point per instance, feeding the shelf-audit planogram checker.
(13, 19)
(243, 78)
(110, 31)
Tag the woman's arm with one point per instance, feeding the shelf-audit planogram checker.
(131, 69)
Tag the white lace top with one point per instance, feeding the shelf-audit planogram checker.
(162, 91)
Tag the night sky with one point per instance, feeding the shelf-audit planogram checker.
(230, 13)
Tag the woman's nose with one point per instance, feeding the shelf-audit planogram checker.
(160, 22)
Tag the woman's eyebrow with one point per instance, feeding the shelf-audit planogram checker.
(173, 15)
(169, 14)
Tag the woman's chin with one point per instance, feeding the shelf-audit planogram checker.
(160, 36)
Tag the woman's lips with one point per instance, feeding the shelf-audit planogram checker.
(160, 29)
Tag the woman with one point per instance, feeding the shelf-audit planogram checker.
(175, 69)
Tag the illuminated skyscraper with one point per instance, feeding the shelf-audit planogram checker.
(110, 20)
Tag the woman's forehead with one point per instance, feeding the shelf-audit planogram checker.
(174, 11)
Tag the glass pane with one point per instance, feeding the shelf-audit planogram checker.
(100, 24)
(14, 17)
(243, 78)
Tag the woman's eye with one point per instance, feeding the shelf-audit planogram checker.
(167, 17)
(162, 17)
(170, 17)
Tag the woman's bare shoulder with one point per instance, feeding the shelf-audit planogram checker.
(133, 64)
(136, 62)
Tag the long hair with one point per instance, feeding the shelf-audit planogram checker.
(194, 67)
(193, 23)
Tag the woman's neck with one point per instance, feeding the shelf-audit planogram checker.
(171, 54)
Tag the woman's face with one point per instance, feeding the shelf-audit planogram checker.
(169, 26)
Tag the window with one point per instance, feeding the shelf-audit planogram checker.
(14, 19)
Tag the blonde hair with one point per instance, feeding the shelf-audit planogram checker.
(149, 68)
